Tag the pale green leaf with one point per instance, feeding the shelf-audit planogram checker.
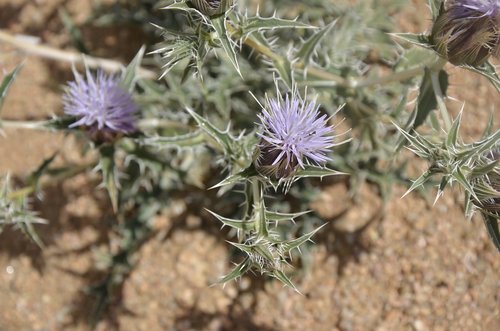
(129, 75)
(257, 23)
(7, 82)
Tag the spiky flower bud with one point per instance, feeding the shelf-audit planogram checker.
(212, 7)
(100, 104)
(293, 133)
(467, 31)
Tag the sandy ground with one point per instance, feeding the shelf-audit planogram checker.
(410, 267)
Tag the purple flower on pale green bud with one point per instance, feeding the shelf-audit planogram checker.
(212, 7)
(293, 134)
(467, 32)
(100, 104)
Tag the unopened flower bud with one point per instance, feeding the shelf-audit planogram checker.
(467, 32)
(212, 7)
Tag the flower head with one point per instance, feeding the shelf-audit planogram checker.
(467, 31)
(100, 104)
(293, 134)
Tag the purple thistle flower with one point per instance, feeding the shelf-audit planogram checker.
(100, 104)
(293, 134)
(467, 31)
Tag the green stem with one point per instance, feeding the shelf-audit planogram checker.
(143, 124)
(51, 53)
(395, 77)
(440, 99)
(261, 226)
(153, 123)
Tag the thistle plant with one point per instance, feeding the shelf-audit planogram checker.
(294, 141)
(222, 103)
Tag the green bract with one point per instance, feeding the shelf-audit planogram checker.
(212, 7)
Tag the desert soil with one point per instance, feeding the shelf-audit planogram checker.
(407, 265)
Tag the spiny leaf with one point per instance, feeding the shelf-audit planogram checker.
(7, 82)
(280, 275)
(238, 271)
(485, 191)
(236, 178)
(460, 177)
(307, 50)
(483, 170)
(219, 24)
(224, 139)
(182, 141)
(174, 51)
(488, 71)
(418, 182)
(237, 224)
(249, 249)
(285, 70)
(28, 229)
(316, 171)
(34, 178)
(129, 75)
(442, 185)
(258, 23)
(109, 173)
(296, 243)
(480, 147)
(488, 128)
(416, 39)
(276, 216)
(451, 139)
(420, 145)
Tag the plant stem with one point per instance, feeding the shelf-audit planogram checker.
(395, 77)
(143, 124)
(258, 202)
(66, 56)
(153, 123)
(33, 125)
(436, 86)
